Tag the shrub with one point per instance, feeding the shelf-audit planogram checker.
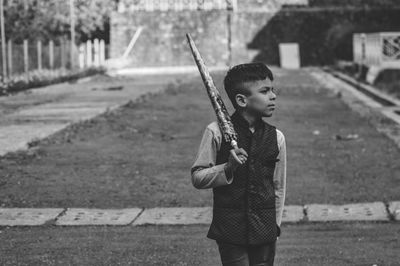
(38, 78)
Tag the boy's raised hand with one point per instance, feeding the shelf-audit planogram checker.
(236, 157)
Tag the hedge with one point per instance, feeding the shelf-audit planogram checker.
(38, 78)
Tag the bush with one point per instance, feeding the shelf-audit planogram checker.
(39, 78)
(389, 81)
(388, 75)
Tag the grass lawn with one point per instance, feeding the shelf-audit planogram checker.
(304, 244)
(141, 154)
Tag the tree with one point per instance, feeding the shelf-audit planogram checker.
(38, 19)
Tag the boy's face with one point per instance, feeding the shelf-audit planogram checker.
(261, 99)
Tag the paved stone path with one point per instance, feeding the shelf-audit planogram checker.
(374, 211)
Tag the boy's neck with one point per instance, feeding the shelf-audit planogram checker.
(250, 118)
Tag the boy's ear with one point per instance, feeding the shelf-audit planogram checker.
(241, 100)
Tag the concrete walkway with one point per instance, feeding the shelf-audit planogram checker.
(374, 211)
(35, 114)
(364, 105)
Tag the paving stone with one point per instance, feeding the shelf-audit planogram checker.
(15, 137)
(394, 208)
(199, 215)
(98, 216)
(293, 214)
(375, 211)
(27, 217)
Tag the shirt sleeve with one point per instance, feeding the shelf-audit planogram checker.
(280, 178)
(205, 173)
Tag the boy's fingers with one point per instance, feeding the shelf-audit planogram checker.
(242, 151)
(242, 158)
(233, 153)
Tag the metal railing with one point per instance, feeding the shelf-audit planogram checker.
(176, 5)
(380, 49)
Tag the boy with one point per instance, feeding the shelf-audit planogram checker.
(248, 194)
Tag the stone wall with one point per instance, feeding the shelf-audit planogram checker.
(163, 41)
(246, 25)
(221, 36)
(226, 38)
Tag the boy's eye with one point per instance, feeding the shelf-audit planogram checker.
(266, 90)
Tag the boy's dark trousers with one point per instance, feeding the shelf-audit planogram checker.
(247, 255)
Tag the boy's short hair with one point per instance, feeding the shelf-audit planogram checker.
(242, 73)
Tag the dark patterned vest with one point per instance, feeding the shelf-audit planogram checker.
(244, 211)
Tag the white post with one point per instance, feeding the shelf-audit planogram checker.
(72, 28)
(121, 7)
(39, 54)
(51, 54)
(10, 58)
(193, 5)
(363, 48)
(26, 57)
(234, 5)
(81, 56)
(63, 54)
(149, 6)
(88, 53)
(96, 59)
(102, 52)
(3, 41)
(164, 5)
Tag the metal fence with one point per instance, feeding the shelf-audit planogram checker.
(178, 5)
(377, 49)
